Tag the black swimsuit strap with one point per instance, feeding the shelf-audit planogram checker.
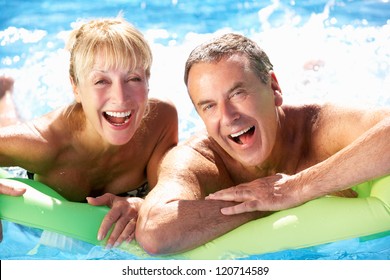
(30, 175)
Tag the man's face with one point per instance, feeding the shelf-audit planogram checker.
(237, 108)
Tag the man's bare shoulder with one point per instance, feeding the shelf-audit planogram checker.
(333, 126)
(202, 144)
(302, 109)
(355, 119)
(330, 115)
(197, 158)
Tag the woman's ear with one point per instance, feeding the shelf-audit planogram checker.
(75, 90)
(276, 89)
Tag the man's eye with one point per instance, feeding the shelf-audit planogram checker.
(207, 107)
(238, 95)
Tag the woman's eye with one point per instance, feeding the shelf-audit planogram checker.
(101, 82)
(134, 79)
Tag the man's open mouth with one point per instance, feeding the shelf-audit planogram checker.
(242, 136)
(117, 118)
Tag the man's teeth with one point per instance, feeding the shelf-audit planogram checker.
(234, 135)
(118, 114)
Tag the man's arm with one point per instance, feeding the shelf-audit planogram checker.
(175, 217)
(360, 149)
(364, 155)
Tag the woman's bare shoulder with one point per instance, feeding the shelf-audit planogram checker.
(158, 107)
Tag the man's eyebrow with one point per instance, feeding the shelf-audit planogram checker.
(203, 102)
(235, 86)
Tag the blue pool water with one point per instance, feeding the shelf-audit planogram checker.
(27, 243)
(329, 50)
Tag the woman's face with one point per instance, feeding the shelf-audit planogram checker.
(113, 100)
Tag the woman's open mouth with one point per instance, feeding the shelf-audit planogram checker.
(117, 118)
(243, 136)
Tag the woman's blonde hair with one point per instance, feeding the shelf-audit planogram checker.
(121, 44)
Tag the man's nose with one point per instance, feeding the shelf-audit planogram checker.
(228, 113)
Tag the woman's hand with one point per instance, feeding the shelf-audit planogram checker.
(123, 213)
(9, 190)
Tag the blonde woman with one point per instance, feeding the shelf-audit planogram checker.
(110, 140)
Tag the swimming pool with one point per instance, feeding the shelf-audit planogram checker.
(322, 51)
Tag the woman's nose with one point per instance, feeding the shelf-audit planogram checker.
(118, 93)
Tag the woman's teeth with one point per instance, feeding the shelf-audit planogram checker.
(118, 114)
(117, 118)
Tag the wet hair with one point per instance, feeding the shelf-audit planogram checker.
(121, 44)
(226, 46)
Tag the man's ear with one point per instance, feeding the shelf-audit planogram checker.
(276, 89)
(75, 90)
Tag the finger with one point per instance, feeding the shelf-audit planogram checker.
(221, 195)
(131, 237)
(232, 210)
(105, 199)
(111, 217)
(247, 206)
(127, 234)
(11, 190)
(238, 194)
(123, 228)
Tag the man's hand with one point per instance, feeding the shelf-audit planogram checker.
(271, 193)
(265, 194)
(123, 213)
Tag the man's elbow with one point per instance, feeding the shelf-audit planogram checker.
(150, 242)
(153, 237)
